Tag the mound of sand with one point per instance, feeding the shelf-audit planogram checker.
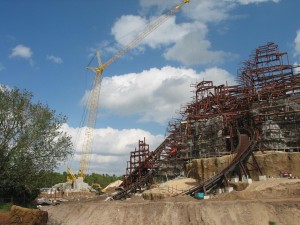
(169, 188)
(275, 188)
(114, 184)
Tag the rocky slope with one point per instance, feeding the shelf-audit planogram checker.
(271, 164)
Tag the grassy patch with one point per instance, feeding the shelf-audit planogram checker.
(4, 207)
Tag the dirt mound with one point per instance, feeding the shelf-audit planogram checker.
(240, 186)
(169, 188)
(277, 188)
(4, 218)
(21, 216)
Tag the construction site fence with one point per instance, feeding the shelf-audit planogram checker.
(174, 190)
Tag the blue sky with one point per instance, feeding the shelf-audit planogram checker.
(46, 45)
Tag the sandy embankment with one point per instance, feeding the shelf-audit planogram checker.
(275, 200)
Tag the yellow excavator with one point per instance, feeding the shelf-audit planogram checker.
(97, 187)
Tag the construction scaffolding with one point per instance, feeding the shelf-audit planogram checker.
(266, 99)
(265, 103)
(136, 166)
(275, 85)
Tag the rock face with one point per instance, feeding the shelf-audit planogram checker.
(207, 167)
(271, 164)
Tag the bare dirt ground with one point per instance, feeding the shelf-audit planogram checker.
(274, 200)
(4, 218)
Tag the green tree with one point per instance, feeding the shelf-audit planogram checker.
(32, 142)
(48, 179)
(102, 179)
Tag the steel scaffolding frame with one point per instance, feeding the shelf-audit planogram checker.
(265, 100)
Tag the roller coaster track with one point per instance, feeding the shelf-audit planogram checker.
(247, 144)
(245, 149)
(151, 162)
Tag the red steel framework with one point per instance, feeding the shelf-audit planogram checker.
(136, 166)
(265, 100)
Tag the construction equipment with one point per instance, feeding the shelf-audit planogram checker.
(97, 187)
(95, 92)
(72, 178)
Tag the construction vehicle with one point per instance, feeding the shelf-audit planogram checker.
(98, 188)
(95, 92)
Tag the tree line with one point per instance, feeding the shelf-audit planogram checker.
(53, 178)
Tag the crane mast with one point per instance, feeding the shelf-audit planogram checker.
(95, 92)
(91, 119)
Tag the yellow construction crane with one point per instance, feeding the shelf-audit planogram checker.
(72, 176)
(95, 92)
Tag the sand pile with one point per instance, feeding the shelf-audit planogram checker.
(276, 188)
(169, 188)
(111, 188)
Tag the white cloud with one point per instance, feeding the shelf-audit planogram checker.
(155, 94)
(297, 43)
(111, 147)
(246, 2)
(126, 28)
(4, 86)
(21, 51)
(200, 10)
(296, 68)
(199, 52)
(175, 37)
(163, 35)
(55, 59)
(208, 10)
